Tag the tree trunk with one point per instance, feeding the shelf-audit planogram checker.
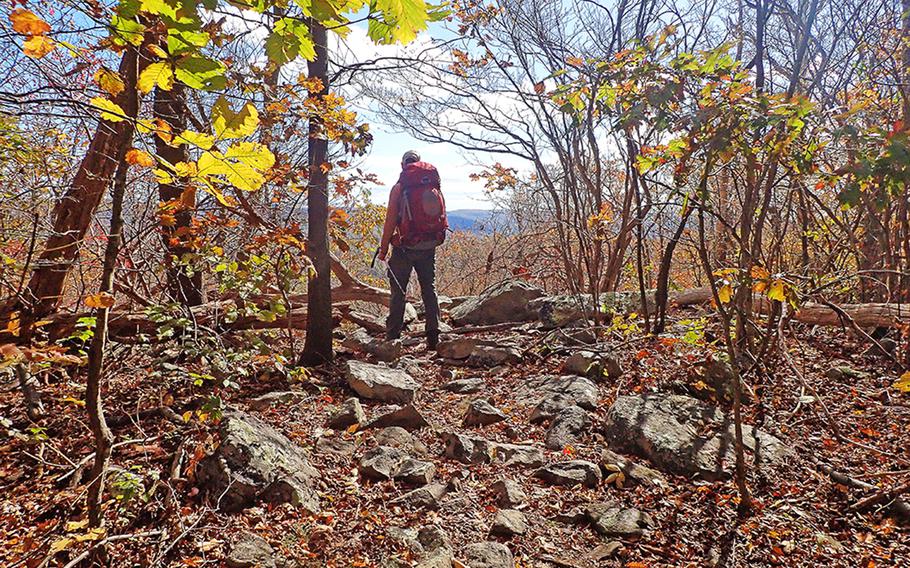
(318, 346)
(73, 213)
(177, 200)
(93, 404)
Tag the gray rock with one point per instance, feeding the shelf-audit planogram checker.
(562, 310)
(426, 497)
(429, 548)
(488, 357)
(509, 493)
(350, 413)
(250, 550)
(509, 523)
(567, 427)
(382, 462)
(558, 393)
(465, 386)
(381, 383)
(406, 417)
(383, 350)
(841, 372)
(582, 363)
(488, 555)
(456, 348)
(264, 402)
(718, 377)
(410, 313)
(469, 450)
(503, 302)
(482, 413)
(570, 473)
(416, 472)
(684, 436)
(253, 463)
(610, 462)
(398, 437)
(335, 445)
(612, 520)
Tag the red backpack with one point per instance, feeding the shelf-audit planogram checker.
(422, 217)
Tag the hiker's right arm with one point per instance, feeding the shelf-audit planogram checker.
(391, 220)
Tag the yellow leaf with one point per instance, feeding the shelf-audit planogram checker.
(157, 50)
(77, 402)
(13, 325)
(60, 545)
(160, 74)
(109, 81)
(777, 291)
(162, 176)
(100, 300)
(38, 46)
(725, 293)
(229, 124)
(186, 169)
(903, 383)
(760, 286)
(198, 139)
(76, 525)
(27, 23)
(138, 157)
(187, 415)
(110, 110)
(96, 533)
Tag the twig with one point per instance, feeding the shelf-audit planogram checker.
(898, 507)
(91, 456)
(880, 497)
(105, 541)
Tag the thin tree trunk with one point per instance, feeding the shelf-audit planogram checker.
(73, 213)
(179, 200)
(318, 346)
(93, 403)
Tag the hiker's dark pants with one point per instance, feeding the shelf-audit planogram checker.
(401, 263)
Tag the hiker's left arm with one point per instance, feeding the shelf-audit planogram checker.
(391, 220)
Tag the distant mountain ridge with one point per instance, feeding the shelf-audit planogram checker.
(475, 220)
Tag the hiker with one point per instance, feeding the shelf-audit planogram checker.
(415, 224)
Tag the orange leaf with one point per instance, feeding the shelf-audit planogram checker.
(100, 300)
(138, 157)
(27, 23)
(539, 88)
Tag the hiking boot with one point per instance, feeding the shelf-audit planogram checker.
(432, 340)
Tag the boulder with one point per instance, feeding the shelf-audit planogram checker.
(843, 372)
(509, 523)
(335, 445)
(407, 417)
(488, 555)
(428, 547)
(253, 463)
(398, 437)
(349, 414)
(384, 463)
(566, 427)
(570, 473)
(487, 357)
(612, 520)
(381, 349)
(503, 302)
(562, 310)
(592, 365)
(557, 393)
(465, 386)
(426, 497)
(716, 378)
(456, 348)
(684, 436)
(469, 450)
(509, 493)
(482, 413)
(250, 550)
(381, 383)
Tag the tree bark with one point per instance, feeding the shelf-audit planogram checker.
(93, 402)
(318, 346)
(73, 213)
(177, 200)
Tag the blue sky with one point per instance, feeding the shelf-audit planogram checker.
(384, 158)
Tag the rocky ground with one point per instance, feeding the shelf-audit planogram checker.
(538, 444)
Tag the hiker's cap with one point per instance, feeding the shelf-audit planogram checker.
(410, 157)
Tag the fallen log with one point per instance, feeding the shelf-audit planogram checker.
(814, 313)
